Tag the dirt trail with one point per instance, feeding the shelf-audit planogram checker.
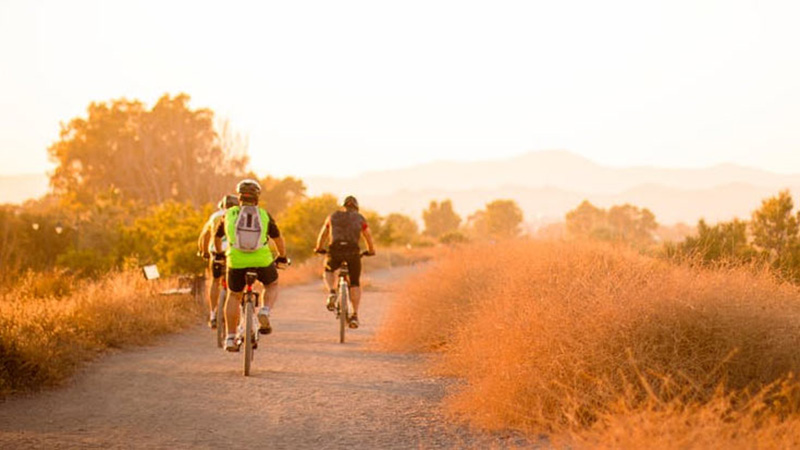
(306, 391)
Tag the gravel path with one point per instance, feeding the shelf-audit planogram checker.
(306, 391)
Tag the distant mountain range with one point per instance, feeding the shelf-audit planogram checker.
(546, 184)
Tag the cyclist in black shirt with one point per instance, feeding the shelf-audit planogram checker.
(342, 231)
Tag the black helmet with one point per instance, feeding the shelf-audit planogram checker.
(248, 187)
(228, 201)
(350, 202)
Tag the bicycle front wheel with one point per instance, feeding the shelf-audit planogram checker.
(248, 337)
(344, 311)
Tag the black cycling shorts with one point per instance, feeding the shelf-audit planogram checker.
(266, 275)
(334, 261)
(217, 268)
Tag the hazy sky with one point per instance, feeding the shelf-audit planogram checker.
(341, 87)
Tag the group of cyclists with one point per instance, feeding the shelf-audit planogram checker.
(235, 239)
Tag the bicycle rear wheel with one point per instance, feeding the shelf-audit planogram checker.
(221, 318)
(248, 336)
(344, 311)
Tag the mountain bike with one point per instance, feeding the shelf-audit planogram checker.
(343, 306)
(248, 322)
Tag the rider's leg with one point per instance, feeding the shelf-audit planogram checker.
(232, 305)
(355, 297)
(213, 295)
(329, 278)
(271, 294)
(354, 263)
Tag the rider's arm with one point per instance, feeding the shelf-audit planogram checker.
(219, 232)
(275, 234)
(322, 238)
(368, 237)
(280, 245)
(202, 242)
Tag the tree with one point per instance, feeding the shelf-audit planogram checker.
(167, 235)
(167, 152)
(500, 219)
(774, 228)
(621, 223)
(629, 223)
(504, 218)
(585, 219)
(725, 241)
(440, 218)
(398, 229)
(279, 194)
(300, 224)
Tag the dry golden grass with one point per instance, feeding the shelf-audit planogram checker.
(44, 338)
(582, 338)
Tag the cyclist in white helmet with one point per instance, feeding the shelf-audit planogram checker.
(215, 256)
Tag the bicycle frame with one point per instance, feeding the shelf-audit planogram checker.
(343, 301)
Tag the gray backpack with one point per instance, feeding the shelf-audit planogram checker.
(248, 229)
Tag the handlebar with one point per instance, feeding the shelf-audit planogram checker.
(282, 264)
(322, 251)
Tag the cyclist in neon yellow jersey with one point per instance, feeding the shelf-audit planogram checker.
(208, 249)
(248, 227)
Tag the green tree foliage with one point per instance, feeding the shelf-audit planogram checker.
(169, 152)
(440, 218)
(278, 194)
(167, 235)
(725, 241)
(776, 234)
(398, 229)
(632, 224)
(585, 219)
(375, 222)
(625, 223)
(301, 222)
(774, 227)
(500, 219)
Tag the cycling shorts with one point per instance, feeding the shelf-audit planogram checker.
(334, 262)
(217, 268)
(266, 275)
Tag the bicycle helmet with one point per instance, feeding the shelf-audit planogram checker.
(350, 202)
(228, 201)
(248, 187)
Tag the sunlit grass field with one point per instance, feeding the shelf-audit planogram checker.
(50, 323)
(600, 347)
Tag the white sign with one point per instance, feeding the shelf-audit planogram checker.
(150, 272)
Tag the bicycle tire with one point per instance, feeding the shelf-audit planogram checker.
(221, 318)
(248, 336)
(344, 310)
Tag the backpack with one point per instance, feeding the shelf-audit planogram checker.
(248, 229)
(346, 230)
